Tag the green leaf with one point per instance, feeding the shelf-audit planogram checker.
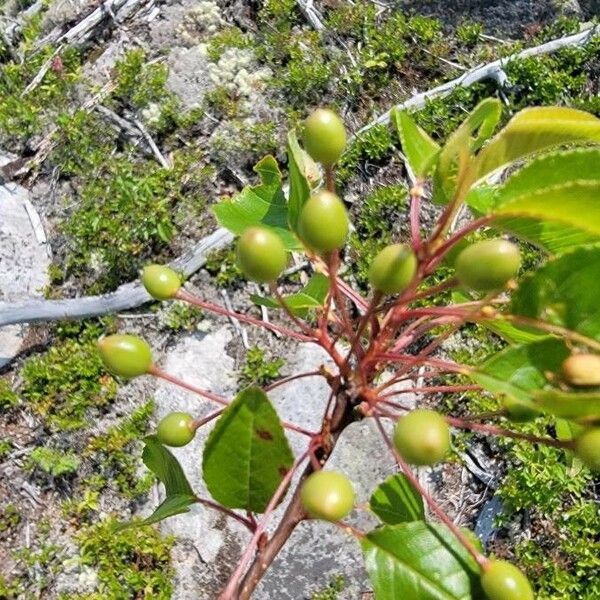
(569, 405)
(533, 130)
(263, 204)
(166, 467)
(574, 204)
(512, 334)
(564, 292)
(247, 454)
(463, 143)
(566, 431)
(299, 183)
(518, 371)
(396, 501)
(421, 151)
(312, 296)
(419, 561)
(538, 177)
(172, 505)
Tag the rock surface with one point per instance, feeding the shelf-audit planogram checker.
(24, 258)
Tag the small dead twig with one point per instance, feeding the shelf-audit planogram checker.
(236, 324)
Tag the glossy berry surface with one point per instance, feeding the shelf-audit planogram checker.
(323, 224)
(261, 254)
(582, 370)
(327, 495)
(160, 282)
(422, 437)
(488, 265)
(503, 581)
(174, 429)
(125, 355)
(587, 448)
(324, 136)
(393, 269)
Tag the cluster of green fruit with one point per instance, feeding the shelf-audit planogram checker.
(323, 226)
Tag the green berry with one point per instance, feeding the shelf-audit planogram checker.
(519, 412)
(393, 269)
(327, 495)
(324, 136)
(125, 355)
(175, 429)
(503, 581)
(587, 448)
(261, 254)
(422, 437)
(582, 370)
(488, 265)
(323, 224)
(160, 282)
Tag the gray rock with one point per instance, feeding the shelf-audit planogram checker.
(66, 11)
(24, 259)
(189, 76)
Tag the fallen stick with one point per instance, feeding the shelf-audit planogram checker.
(493, 70)
(125, 297)
(311, 14)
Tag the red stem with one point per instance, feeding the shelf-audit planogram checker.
(154, 370)
(435, 389)
(231, 590)
(498, 431)
(415, 210)
(215, 308)
(285, 380)
(246, 522)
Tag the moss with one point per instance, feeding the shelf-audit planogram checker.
(125, 216)
(230, 37)
(112, 457)
(8, 398)
(375, 145)
(68, 383)
(132, 563)
(258, 369)
(53, 462)
(222, 265)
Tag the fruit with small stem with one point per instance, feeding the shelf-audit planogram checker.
(327, 495)
(422, 437)
(161, 282)
(587, 448)
(488, 265)
(501, 580)
(125, 355)
(323, 224)
(393, 269)
(324, 136)
(261, 254)
(176, 429)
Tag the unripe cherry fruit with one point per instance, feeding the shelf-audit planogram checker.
(488, 265)
(161, 282)
(324, 136)
(125, 355)
(518, 412)
(175, 429)
(582, 370)
(503, 581)
(327, 495)
(323, 223)
(261, 254)
(587, 448)
(422, 437)
(393, 269)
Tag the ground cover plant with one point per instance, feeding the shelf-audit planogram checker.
(389, 343)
